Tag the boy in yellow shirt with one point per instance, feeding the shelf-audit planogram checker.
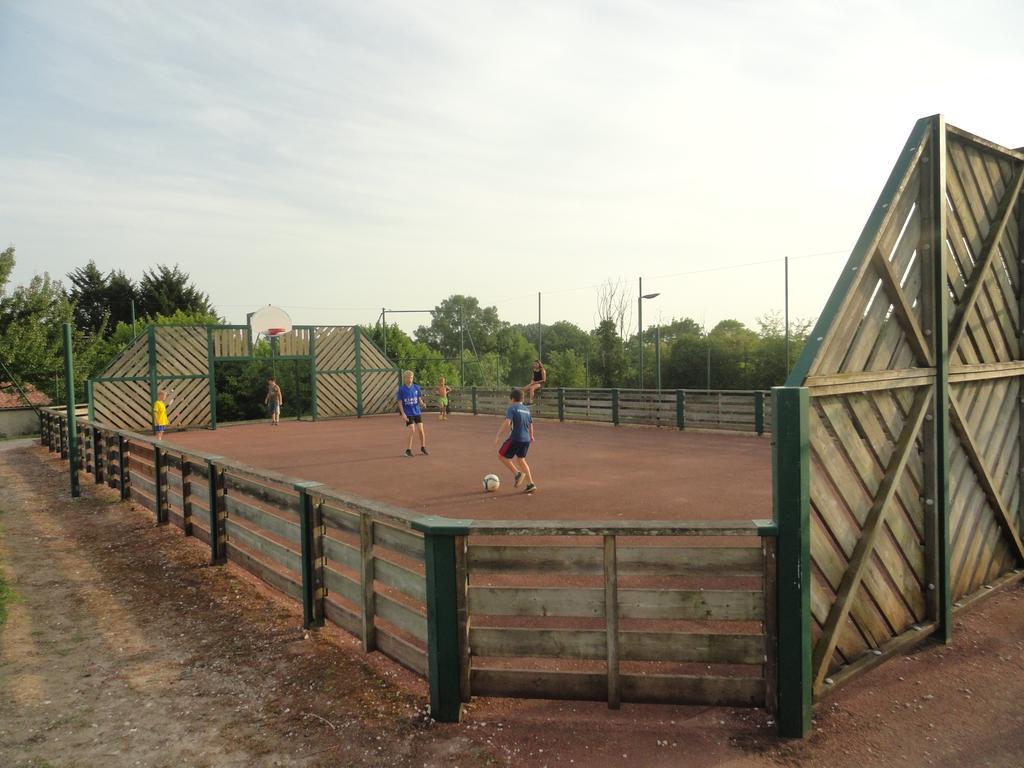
(160, 421)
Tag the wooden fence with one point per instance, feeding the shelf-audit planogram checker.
(899, 429)
(348, 374)
(738, 411)
(544, 610)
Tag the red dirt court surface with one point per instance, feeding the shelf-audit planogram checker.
(583, 471)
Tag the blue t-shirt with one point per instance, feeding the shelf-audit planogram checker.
(410, 398)
(521, 419)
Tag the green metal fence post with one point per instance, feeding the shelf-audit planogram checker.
(561, 403)
(88, 400)
(154, 385)
(211, 365)
(474, 401)
(359, 372)
(939, 514)
(218, 547)
(759, 413)
(98, 457)
(69, 381)
(311, 541)
(615, 406)
(159, 475)
(312, 374)
(122, 470)
(680, 409)
(439, 536)
(791, 501)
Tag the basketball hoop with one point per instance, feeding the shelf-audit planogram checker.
(270, 321)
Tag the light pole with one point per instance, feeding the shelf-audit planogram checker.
(640, 321)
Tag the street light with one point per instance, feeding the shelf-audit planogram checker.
(640, 322)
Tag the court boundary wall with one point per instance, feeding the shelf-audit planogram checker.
(458, 601)
(897, 457)
(349, 374)
(732, 410)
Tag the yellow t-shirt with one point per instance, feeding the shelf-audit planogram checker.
(160, 414)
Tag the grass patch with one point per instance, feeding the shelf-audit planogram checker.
(6, 596)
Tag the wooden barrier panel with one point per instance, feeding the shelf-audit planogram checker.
(913, 377)
(703, 409)
(622, 604)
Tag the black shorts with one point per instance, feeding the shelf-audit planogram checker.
(410, 420)
(511, 449)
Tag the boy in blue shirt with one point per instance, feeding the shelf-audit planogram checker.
(410, 400)
(518, 426)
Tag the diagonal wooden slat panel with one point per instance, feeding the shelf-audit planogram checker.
(873, 527)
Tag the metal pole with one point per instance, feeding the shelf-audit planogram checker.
(69, 381)
(708, 339)
(587, 357)
(462, 348)
(133, 319)
(657, 353)
(384, 325)
(540, 331)
(787, 315)
(640, 323)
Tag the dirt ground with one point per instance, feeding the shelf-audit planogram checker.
(584, 471)
(122, 647)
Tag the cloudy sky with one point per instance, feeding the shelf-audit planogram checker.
(336, 157)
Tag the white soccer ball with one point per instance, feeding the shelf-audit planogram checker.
(491, 483)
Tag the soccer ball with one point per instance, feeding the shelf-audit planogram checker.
(491, 483)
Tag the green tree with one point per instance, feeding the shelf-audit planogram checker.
(164, 290)
(608, 364)
(31, 328)
(517, 354)
(567, 368)
(454, 314)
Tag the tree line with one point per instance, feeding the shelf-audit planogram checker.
(467, 343)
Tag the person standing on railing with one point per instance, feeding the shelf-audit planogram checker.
(518, 426)
(274, 400)
(442, 391)
(540, 378)
(160, 420)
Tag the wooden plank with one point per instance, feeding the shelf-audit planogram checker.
(399, 540)
(462, 617)
(341, 553)
(266, 521)
(867, 381)
(342, 585)
(976, 372)
(275, 497)
(342, 616)
(264, 571)
(611, 619)
(708, 604)
(402, 651)
(625, 528)
(632, 561)
(770, 640)
(587, 686)
(682, 647)
(366, 578)
(278, 553)
(398, 577)
(401, 616)
(342, 519)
